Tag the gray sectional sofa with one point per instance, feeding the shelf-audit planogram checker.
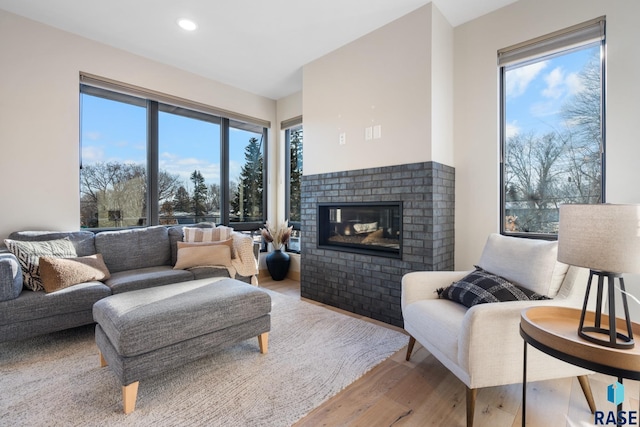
(136, 258)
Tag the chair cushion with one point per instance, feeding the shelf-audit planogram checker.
(480, 287)
(436, 323)
(529, 263)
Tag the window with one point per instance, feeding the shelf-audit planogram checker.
(552, 127)
(293, 179)
(146, 162)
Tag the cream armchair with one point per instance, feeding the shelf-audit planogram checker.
(482, 345)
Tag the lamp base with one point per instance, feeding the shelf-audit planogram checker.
(596, 333)
(621, 341)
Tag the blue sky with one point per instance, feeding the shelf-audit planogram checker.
(115, 131)
(536, 92)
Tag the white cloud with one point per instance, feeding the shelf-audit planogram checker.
(512, 129)
(574, 83)
(92, 154)
(184, 167)
(555, 84)
(541, 109)
(518, 79)
(93, 136)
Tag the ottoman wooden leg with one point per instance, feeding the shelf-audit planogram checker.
(129, 395)
(263, 341)
(103, 362)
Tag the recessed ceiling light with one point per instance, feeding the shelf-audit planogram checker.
(187, 24)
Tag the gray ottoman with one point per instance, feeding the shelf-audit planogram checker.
(146, 332)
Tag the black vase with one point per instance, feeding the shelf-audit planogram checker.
(278, 264)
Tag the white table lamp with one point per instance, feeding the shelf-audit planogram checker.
(605, 238)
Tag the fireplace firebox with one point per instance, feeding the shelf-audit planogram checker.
(365, 228)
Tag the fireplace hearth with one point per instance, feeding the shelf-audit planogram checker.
(365, 228)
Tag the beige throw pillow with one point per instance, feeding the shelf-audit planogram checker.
(203, 254)
(60, 273)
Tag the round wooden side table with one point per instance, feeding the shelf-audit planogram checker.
(554, 331)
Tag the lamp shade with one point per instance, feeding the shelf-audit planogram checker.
(601, 237)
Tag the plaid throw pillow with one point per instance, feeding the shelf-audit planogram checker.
(480, 287)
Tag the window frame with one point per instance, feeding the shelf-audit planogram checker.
(153, 106)
(554, 44)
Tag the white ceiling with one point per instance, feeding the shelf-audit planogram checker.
(256, 45)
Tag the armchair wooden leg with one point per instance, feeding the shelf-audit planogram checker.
(412, 342)
(586, 389)
(471, 405)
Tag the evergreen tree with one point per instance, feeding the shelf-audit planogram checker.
(199, 195)
(182, 200)
(247, 203)
(295, 182)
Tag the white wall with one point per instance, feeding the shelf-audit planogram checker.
(441, 89)
(382, 78)
(39, 115)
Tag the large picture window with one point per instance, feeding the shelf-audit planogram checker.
(145, 162)
(552, 127)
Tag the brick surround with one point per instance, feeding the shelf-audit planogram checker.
(367, 284)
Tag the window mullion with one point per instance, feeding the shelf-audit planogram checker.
(152, 163)
(225, 194)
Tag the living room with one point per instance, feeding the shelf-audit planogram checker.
(431, 86)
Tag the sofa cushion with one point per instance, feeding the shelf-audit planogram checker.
(529, 263)
(59, 273)
(40, 305)
(204, 254)
(479, 287)
(134, 248)
(29, 253)
(10, 277)
(142, 278)
(82, 240)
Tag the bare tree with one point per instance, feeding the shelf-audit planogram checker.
(115, 194)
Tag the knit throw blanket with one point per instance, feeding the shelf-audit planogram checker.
(244, 263)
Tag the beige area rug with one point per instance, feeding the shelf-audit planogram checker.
(55, 380)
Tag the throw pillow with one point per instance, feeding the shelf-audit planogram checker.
(203, 254)
(480, 287)
(60, 273)
(195, 234)
(531, 263)
(29, 253)
(216, 234)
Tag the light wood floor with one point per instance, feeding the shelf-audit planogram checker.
(422, 392)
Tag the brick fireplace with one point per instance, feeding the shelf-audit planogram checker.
(366, 283)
